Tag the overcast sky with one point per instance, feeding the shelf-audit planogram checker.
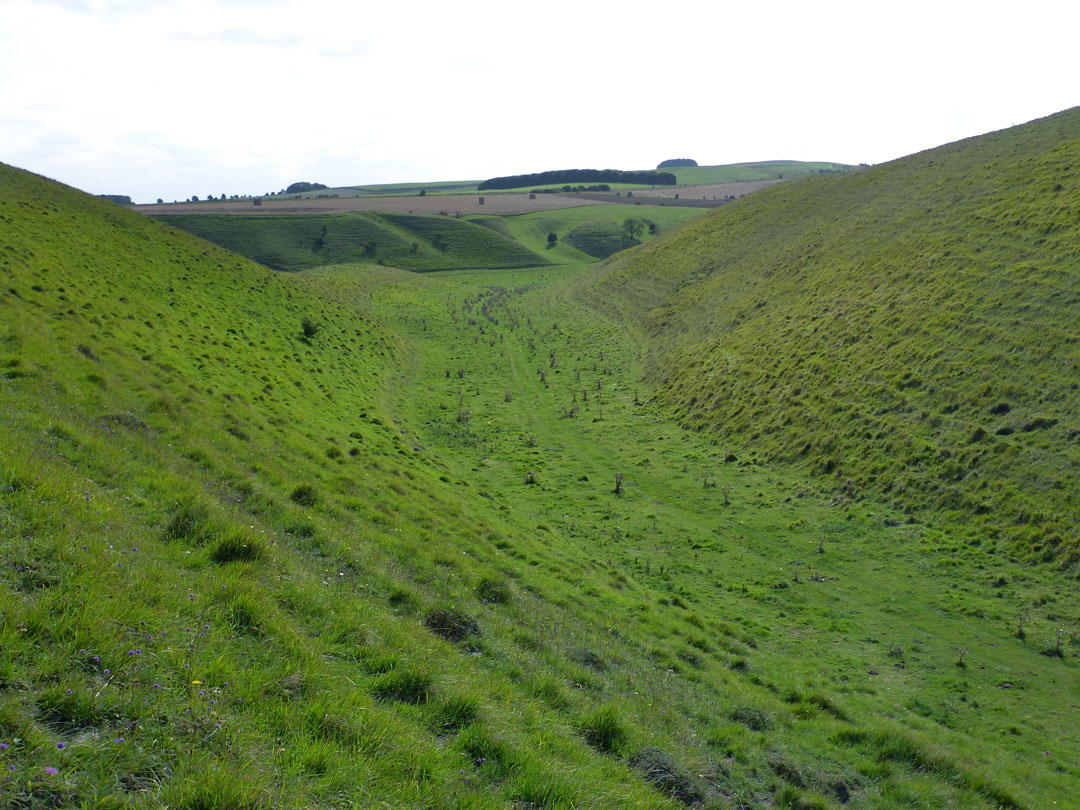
(170, 98)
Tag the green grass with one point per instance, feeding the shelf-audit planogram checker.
(414, 625)
(903, 331)
(392, 189)
(763, 170)
(409, 241)
(531, 230)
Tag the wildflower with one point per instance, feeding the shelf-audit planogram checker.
(3, 746)
(118, 740)
(68, 690)
(156, 686)
(107, 672)
(61, 746)
(51, 771)
(196, 682)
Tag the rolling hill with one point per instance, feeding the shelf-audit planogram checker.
(905, 330)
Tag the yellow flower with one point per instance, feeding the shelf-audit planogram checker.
(196, 683)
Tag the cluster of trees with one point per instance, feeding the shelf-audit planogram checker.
(598, 187)
(119, 199)
(676, 163)
(299, 188)
(578, 176)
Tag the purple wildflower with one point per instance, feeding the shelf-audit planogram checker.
(61, 745)
(51, 771)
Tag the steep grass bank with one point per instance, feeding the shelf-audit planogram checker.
(905, 330)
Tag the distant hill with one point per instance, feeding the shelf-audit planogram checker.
(906, 330)
(409, 241)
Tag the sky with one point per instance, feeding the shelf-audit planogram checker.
(173, 98)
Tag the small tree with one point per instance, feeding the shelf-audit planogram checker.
(423, 192)
(619, 478)
(310, 328)
(552, 239)
(632, 227)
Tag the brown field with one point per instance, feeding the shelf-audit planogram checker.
(450, 204)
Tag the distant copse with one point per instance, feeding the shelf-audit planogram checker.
(676, 163)
(299, 188)
(119, 199)
(578, 176)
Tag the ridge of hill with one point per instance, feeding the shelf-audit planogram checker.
(906, 330)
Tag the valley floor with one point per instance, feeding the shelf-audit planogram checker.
(849, 623)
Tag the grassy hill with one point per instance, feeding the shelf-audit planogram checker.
(351, 537)
(762, 170)
(905, 330)
(410, 241)
(570, 224)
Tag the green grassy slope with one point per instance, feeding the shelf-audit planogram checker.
(906, 330)
(762, 170)
(410, 241)
(217, 547)
(241, 568)
(532, 230)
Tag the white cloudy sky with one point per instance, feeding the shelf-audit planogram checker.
(169, 98)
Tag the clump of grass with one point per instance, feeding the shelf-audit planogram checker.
(403, 685)
(237, 546)
(753, 719)
(453, 713)
(305, 495)
(493, 590)
(604, 730)
(451, 625)
(191, 522)
(664, 773)
(487, 751)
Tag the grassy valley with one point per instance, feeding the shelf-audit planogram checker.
(540, 537)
